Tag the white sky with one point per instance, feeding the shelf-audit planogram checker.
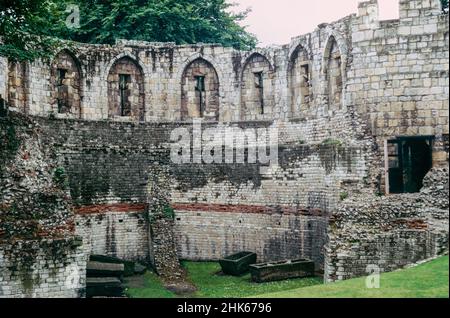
(277, 21)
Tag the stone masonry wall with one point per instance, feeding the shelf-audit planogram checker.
(114, 233)
(3, 77)
(42, 269)
(107, 167)
(39, 254)
(66, 85)
(387, 233)
(273, 235)
(335, 95)
(395, 71)
(126, 90)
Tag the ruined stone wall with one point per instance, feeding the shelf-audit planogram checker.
(369, 233)
(42, 269)
(394, 71)
(335, 95)
(327, 167)
(399, 73)
(106, 163)
(39, 252)
(123, 233)
(209, 234)
(107, 166)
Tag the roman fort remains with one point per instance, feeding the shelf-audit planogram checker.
(360, 107)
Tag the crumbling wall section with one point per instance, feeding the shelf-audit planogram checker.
(370, 233)
(38, 249)
(116, 230)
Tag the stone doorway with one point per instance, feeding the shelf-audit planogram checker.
(409, 160)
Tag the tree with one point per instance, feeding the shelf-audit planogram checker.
(26, 28)
(180, 21)
(31, 28)
(444, 5)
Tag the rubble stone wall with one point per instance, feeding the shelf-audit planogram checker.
(40, 256)
(42, 269)
(369, 233)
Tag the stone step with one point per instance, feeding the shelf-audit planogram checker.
(128, 265)
(99, 269)
(103, 287)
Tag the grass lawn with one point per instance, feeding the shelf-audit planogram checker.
(429, 280)
(147, 286)
(426, 280)
(210, 285)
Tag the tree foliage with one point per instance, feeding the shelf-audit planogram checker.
(26, 28)
(29, 28)
(444, 5)
(180, 21)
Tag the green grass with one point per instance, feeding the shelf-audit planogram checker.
(210, 285)
(203, 275)
(429, 280)
(424, 281)
(148, 286)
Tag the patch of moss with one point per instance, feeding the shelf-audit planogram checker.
(60, 178)
(332, 142)
(168, 212)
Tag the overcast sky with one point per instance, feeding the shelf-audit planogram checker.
(277, 21)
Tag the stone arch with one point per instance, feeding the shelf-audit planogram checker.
(299, 76)
(257, 93)
(207, 58)
(200, 90)
(66, 83)
(341, 43)
(135, 59)
(259, 52)
(126, 91)
(299, 43)
(334, 65)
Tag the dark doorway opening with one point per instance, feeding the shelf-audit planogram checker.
(410, 159)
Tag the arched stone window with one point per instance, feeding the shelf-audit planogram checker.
(299, 80)
(334, 76)
(126, 95)
(66, 83)
(200, 91)
(16, 85)
(257, 96)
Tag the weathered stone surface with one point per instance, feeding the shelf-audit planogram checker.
(39, 253)
(335, 95)
(388, 232)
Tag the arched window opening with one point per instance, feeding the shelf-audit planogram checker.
(200, 91)
(126, 95)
